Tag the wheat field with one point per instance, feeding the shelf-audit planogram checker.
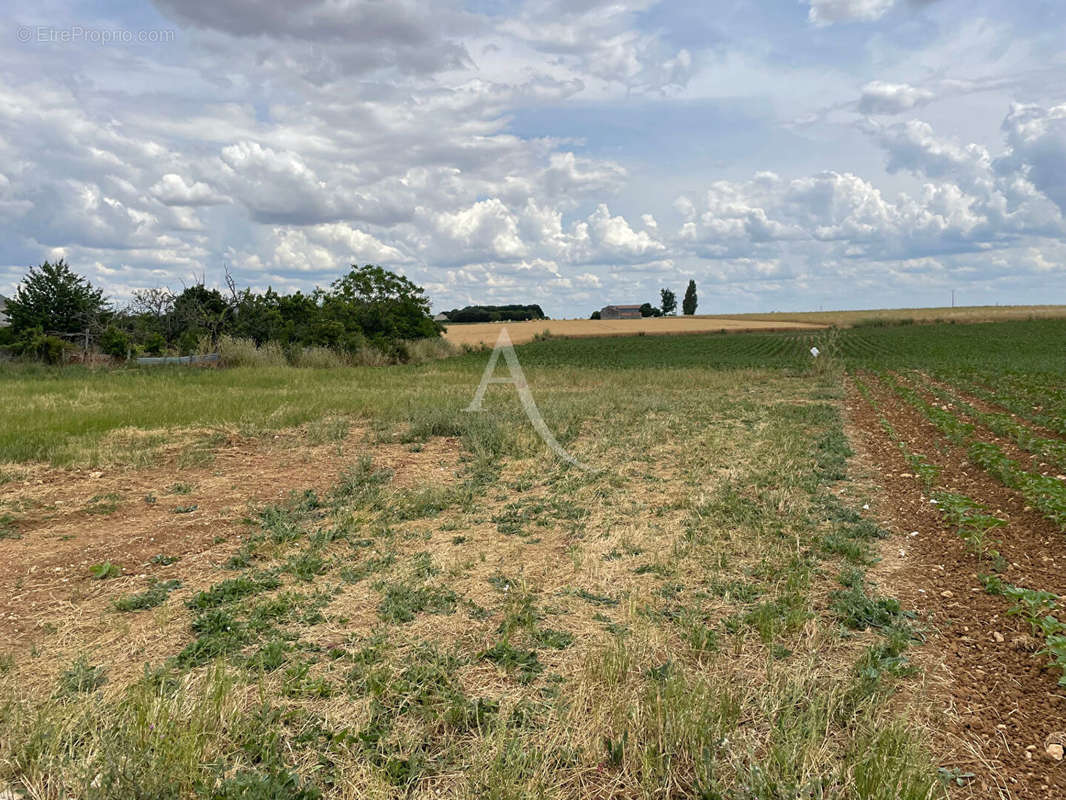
(477, 333)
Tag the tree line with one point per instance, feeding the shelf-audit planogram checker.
(510, 313)
(667, 304)
(54, 310)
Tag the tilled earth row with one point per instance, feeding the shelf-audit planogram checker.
(988, 407)
(1030, 461)
(1002, 701)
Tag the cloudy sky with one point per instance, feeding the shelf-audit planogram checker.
(786, 154)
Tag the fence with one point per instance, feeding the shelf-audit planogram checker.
(210, 358)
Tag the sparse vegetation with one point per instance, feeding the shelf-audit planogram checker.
(105, 570)
(703, 615)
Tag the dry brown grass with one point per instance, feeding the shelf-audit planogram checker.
(61, 537)
(485, 333)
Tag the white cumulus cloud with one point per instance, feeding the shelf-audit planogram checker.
(173, 190)
(880, 97)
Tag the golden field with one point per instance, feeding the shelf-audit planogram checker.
(475, 333)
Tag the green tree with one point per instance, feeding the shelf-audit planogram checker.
(688, 305)
(648, 310)
(150, 318)
(385, 306)
(55, 299)
(595, 315)
(258, 316)
(668, 301)
(199, 311)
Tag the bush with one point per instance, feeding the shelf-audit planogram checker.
(188, 342)
(34, 343)
(508, 313)
(370, 357)
(114, 342)
(155, 344)
(420, 351)
(236, 352)
(398, 352)
(882, 322)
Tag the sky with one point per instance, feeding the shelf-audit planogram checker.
(784, 154)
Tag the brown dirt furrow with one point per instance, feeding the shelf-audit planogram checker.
(1033, 545)
(987, 407)
(988, 386)
(1000, 700)
(1033, 462)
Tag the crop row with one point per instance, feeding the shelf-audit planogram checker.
(973, 524)
(1036, 606)
(1054, 450)
(1044, 492)
(1032, 398)
(926, 470)
(971, 520)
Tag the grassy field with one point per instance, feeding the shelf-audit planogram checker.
(94, 417)
(299, 583)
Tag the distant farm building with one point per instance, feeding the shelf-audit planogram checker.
(620, 312)
(440, 318)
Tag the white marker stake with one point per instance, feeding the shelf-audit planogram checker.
(518, 378)
(815, 352)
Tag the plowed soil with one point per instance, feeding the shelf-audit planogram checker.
(1000, 699)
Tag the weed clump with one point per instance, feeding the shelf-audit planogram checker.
(524, 663)
(155, 595)
(233, 589)
(857, 610)
(7, 527)
(219, 633)
(402, 601)
(81, 676)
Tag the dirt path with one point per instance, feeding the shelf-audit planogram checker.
(1000, 701)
